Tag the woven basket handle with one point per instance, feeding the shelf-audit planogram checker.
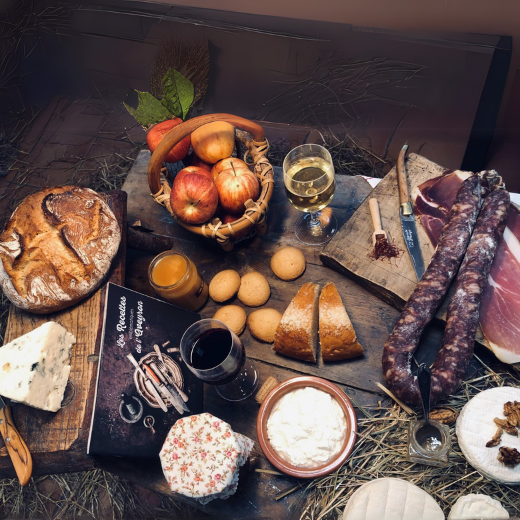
(177, 133)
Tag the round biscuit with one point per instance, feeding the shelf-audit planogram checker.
(254, 289)
(233, 316)
(224, 285)
(263, 324)
(288, 263)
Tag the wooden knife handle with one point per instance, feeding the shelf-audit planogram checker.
(16, 447)
(402, 178)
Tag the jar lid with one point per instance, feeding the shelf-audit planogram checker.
(201, 456)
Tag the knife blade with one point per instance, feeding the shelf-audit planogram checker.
(16, 447)
(174, 399)
(181, 397)
(411, 239)
(151, 388)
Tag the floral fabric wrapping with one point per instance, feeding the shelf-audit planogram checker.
(201, 456)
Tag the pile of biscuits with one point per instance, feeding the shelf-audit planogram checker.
(295, 334)
(253, 290)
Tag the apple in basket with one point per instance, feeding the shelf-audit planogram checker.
(193, 160)
(235, 187)
(213, 141)
(228, 219)
(229, 162)
(193, 169)
(155, 136)
(194, 198)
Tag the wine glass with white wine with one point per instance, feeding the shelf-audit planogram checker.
(308, 175)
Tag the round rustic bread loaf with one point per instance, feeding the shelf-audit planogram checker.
(56, 248)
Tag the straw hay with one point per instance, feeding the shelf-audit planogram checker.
(381, 450)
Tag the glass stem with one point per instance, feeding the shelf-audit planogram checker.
(315, 225)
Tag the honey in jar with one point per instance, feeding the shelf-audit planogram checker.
(175, 278)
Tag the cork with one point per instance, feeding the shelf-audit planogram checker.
(269, 384)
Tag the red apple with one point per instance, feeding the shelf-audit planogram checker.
(234, 188)
(193, 169)
(213, 141)
(194, 198)
(156, 134)
(228, 219)
(193, 160)
(225, 164)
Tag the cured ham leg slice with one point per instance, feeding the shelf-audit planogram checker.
(500, 308)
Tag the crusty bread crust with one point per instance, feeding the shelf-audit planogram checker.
(296, 335)
(56, 248)
(337, 336)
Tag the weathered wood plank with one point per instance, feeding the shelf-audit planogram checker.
(348, 251)
(57, 441)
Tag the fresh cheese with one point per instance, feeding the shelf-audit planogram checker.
(475, 427)
(35, 367)
(391, 499)
(482, 507)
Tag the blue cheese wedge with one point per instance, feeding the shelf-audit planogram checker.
(35, 367)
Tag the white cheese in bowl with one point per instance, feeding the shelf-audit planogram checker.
(307, 428)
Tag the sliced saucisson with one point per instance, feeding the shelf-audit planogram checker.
(430, 292)
(463, 311)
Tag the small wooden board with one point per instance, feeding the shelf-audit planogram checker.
(392, 281)
(57, 441)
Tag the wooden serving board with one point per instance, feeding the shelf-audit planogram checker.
(57, 441)
(392, 281)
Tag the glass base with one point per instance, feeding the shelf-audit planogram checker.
(320, 230)
(243, 386)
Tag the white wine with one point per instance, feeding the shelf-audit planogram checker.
(310, 184)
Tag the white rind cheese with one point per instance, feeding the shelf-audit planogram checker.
(391, 499)
(478, 506)
(34, 368)
(475, 427)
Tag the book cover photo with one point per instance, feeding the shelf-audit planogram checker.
(143, 386)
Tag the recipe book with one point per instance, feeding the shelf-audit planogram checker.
(132, 415)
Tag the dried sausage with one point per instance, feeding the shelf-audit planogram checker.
(430, 291)
(463, 311)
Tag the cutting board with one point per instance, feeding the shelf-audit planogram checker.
(348, 252)
(57, 441)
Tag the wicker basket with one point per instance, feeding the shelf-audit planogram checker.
(253, 138)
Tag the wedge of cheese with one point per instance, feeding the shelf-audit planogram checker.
(34, 368)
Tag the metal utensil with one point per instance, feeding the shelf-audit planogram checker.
(164, 371)
(428, 432)
(151, 387)
(411, 238)
(174, 399)
(172, 389)
(16, 447)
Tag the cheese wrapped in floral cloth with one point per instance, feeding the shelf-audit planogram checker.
(201, 457)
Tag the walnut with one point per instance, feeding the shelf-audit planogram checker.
(506, 426)
(444, 415)
(509, 456)
(495, 441)
(512, 412)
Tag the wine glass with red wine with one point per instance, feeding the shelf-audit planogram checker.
(216, 355)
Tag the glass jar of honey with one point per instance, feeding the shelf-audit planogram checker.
(175, 278)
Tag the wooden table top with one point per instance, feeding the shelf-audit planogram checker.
(372, 319)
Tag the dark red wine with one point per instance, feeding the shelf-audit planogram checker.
(210, 349)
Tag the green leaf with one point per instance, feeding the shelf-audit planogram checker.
(178, 93)
(149, 110)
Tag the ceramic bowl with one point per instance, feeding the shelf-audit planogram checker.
(288, 386)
